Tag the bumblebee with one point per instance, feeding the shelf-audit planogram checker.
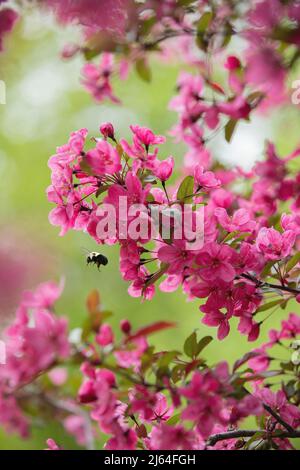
(97, 259)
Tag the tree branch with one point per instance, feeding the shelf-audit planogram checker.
(223, 436)
(259, 283)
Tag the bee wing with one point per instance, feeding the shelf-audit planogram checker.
(85, 250)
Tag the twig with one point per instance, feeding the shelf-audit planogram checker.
(278, 418)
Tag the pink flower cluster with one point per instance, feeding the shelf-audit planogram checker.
(97, 79)
(34, 342)
(213, 399)
(290, 329)
(92, 15)
(199, 114)
(238, 242)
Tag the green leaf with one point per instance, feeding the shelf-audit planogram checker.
(267, 269)
(85, 167)
(258, 435)
(268, 305)
(167, 358)
(177, 372)
(147, 25)
(292, 262)
(185, 3)
(284, 33)
(255, 97)
(203, 343)
(204, 22)
(102, 189)
(143, 70)
(202, 26)
(90, 54)
(173, 420)
(150, 198)
(191, 346)
(186, 189)
(230, 236)
(229, 129)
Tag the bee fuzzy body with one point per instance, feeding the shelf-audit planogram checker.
(97, 259)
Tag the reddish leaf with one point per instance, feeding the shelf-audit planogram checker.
(148, 330)
(244, 359)
(216, 87)
(93, 301)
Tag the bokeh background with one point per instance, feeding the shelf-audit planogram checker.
(45, 102)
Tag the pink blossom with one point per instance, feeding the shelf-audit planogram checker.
(44, 296)
(150, 407)
(132, 357)
(96, 79)
(241, 220)
(214, 317)
(58, 376)
(205, 406)
(290, 328)
(273, 244)
(123, 441)
(247, 406)
(266, 13)
(105, 335)
(12, 417)
(266, 70)
(34, 342)
(104, 159)
(215, 262)
(93, 15)
(206, 179)
(143, 138)
(260, 361)
(176, 256)
(69, 152)
(146, 137)
(279, 403)
(165, 437)
(76, 426)
(52, 445)
(140, 286)
(164, 169)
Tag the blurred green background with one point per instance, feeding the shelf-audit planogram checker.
(45, 102)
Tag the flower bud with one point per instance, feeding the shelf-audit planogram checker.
(125, 326)
(107, 130)
(232, 63)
